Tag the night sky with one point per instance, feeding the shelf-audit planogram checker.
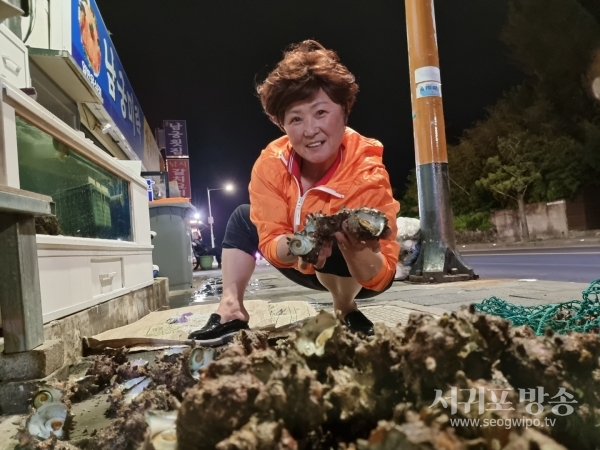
(199, 60)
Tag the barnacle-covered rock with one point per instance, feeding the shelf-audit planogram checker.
(435, 349)
(219, 405)
(252, 340)
(314, 385)
(294, 395)
(104, 367)
(263, 363)
(178, 370)
(52, 443)
(259, 436)
(381, 355)
(351, 395)
(131, 369)
(77, 390)
(438, 426)
(560, 364)
(412, 435)
(554, 361)
(128, 430)
(322, 342)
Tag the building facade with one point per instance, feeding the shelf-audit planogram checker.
(71, 128)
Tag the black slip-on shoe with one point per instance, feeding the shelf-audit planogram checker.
(357, 322)
(215, 332)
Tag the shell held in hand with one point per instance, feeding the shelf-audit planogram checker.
(367, 223)
(364, 224)
(301, 245)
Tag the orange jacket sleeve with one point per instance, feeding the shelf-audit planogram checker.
(268, 211)
(373, 190)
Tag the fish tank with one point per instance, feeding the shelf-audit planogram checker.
(91, 202)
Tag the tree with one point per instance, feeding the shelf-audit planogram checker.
(522, 108)
(553, 41)
(513, 171)
(560, 162)
(557, 43)
(592, 7)
(409, 205)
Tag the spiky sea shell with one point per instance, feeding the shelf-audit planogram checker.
(47, 420)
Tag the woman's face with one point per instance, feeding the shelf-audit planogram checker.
(315, 128)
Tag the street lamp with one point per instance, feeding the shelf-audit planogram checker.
(211, 221)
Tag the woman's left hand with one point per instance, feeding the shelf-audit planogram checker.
(349, 244)
(364, 258)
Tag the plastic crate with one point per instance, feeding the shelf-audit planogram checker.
(84, 210)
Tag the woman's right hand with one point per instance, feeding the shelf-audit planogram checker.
(322, 258)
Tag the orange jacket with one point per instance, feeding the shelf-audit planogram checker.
(361, 179)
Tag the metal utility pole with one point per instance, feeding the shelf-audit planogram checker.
(439, 261)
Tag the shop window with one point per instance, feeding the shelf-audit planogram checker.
(90, 201)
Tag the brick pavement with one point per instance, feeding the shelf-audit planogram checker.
(396, 304)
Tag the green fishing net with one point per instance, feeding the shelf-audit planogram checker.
(581, 316)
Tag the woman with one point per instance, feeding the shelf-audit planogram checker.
(319, 165)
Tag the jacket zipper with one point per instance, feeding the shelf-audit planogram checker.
(300, 202)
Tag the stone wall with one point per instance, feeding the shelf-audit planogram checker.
(105, 316)
(544, 220)
(476, 236)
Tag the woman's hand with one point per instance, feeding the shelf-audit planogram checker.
(364, 258)
(322, 258)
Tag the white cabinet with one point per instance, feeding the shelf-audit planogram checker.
(14, 65)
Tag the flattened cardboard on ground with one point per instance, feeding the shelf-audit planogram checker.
(262, 314)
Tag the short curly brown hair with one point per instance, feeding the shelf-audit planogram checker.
(305, 68)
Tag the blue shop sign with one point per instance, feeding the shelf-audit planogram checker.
(95, 53)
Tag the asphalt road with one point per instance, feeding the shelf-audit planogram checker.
(577, 264)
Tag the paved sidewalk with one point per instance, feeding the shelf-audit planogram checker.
(396, 304)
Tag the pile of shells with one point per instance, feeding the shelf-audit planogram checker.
(461, 381)
(364, 224)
